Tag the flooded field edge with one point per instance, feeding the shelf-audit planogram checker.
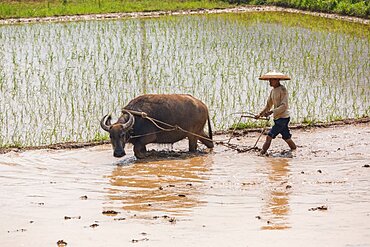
(240, 9)
(77, 145)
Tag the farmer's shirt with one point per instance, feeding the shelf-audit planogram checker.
(279, 99)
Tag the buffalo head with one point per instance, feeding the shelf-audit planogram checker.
(118, 132)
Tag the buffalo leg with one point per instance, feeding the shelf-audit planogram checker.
(192, 143)
(139, 150)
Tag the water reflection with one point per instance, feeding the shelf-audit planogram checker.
(276, 209)
(161, 185)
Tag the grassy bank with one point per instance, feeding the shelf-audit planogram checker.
(44, 8)
(359, 8)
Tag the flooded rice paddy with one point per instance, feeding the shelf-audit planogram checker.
(58, 79)
(85, 197)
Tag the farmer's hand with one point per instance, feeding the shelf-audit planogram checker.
(267, 114)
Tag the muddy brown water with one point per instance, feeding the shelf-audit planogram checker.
(86, 197)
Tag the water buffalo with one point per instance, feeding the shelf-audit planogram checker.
(180, 110)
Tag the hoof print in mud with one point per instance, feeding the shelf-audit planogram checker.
(61, 243)
(119, 219)
(139, 240)
(70, 218)
(110, 212)
(172, 220)
(321, 208)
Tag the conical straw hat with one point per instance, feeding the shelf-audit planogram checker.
(274, 75)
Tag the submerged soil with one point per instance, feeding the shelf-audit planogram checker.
(317, 195)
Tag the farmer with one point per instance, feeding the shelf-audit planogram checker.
(279, 99)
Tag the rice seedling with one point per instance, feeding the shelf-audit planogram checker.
(66, 76)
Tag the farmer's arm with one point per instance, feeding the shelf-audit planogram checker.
(267, 107)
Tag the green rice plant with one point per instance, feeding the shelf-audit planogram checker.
(249, 125)
(72, 74)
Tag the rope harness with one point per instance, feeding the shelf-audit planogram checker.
(238, 148)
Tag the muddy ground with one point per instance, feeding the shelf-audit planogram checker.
(316, 196)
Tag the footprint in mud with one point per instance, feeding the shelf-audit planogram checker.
(320, 208)
(72, 217)
(110, 213)
(139, 240)
(320, 153)
(94, 225)
(61, 243)
(18, 230)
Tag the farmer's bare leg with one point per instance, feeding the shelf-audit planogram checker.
(291, 144)
(266, 145)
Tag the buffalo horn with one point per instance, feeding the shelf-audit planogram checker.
(130, 122)
(106, 124)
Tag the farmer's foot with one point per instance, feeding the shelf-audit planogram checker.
(263, 153)
(291, 144)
